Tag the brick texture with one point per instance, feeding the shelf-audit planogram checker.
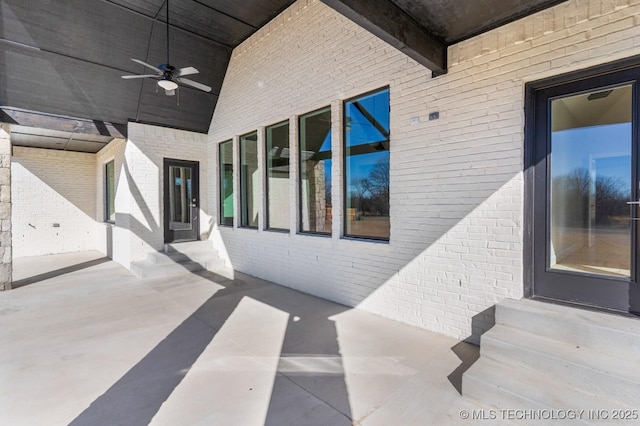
(456, 182)
(114, 151)
(54, 201)
(139, 227)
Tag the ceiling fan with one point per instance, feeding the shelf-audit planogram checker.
(168, 76)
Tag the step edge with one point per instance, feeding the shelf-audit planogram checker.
(620, 323)
(500, 330)
(557, 387)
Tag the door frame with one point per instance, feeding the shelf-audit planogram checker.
(169, 235)
(537, 92)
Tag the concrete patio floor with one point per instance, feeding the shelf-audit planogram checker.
(86, 343)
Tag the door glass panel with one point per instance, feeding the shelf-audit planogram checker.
(590, 161)
(179, 198)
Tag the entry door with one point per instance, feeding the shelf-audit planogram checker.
(586, 203)
(181, 201)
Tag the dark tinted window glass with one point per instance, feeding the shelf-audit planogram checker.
(226, 183)
(367, 166)
(315, 171)
(249, 180)
(110, 192)
(277, 151)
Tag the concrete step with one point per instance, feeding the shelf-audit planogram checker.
(507, 387)
(553, 357)
(615, 335)
(580, 367)
(179, 258)
(188, 246)
(161, 258)
(146, 269)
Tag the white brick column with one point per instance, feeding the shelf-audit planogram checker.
(5, 207)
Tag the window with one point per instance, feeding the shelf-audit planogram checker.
(109, 192)
(226, 183)
(315, 172)
(366, 165)
(277, 144)
(249, 180)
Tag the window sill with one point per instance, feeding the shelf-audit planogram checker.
(314, 234)
(278, 230)
(366, 239)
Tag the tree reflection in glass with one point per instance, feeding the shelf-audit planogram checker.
(367, 166)
(590, 228)
(315, 172)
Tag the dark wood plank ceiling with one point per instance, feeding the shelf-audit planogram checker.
(66, 57)
(455, 20)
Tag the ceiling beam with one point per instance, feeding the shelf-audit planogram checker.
(42, 120)
(387, 21)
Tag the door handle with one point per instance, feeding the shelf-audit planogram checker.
(633, 204)
(194, 203)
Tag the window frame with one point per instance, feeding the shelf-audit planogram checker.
(243, 203)
(345, 192)
(109, 199)
(221, 217)
(300, 221)
(266, 175)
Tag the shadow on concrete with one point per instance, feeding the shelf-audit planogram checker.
(310, 354)
(468, 354)
(480, 324)
(58, 272)
(138, 396)
(469, 349)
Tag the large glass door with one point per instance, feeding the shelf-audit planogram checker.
(586, 205)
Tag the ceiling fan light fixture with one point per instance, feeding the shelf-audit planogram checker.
(167, 74)
(168, 85)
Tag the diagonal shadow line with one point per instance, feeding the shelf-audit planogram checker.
(136, 398)
(140, 199)
(58, 272)
(317, 368)
(306, 394)
(468, 355)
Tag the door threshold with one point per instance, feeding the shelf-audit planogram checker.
(181, 241)
(585, 306)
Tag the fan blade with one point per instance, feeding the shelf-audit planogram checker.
(192, 83)
(128, 77)
(147, 65)
(186, 71)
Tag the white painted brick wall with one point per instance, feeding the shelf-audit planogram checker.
(456, 183)
(139, 227)
(50, 187)
(114, 151)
